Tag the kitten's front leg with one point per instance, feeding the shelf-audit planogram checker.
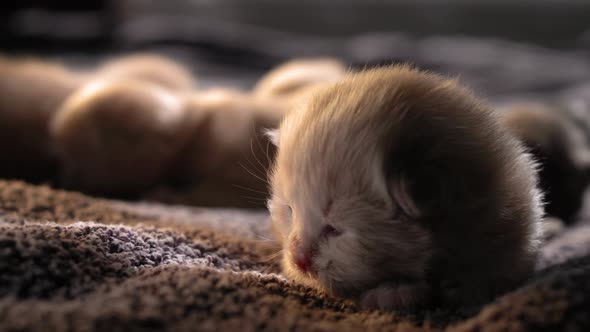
(394, 296)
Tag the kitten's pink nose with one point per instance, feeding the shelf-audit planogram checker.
(304, 262)
(303, 257)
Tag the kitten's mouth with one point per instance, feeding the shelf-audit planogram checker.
(330, 284)
(320, 277)
(311, 273)
(307, 269)
(334, 287)
(315, 270)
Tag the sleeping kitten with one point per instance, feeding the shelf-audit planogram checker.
(561, 148)
(148, 67)
(398, 188)
(118, 137)
(30, 92)
(295, 77)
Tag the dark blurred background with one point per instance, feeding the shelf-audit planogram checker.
(554, 23)
(232, 41)
(503, 49)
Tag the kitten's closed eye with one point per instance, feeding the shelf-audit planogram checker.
(282, 212)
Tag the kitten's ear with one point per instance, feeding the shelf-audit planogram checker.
(401, 189)
(418, 191)
(426, 191)
(273, 136)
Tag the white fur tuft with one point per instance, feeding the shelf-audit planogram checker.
(273, 136)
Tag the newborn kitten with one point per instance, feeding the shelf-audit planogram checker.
(224, 160)
(30, 92)
(298, 76)
(118, 137)
(152, 68)
(397, 188)
(561, 149)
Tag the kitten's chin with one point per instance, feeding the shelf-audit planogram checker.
(293, 273)
(321, 280)
(336, 287)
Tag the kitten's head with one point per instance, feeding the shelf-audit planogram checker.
(382, 172)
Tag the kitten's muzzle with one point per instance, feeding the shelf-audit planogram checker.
(303, 256)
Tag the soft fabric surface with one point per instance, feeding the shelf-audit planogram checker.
(73, 263)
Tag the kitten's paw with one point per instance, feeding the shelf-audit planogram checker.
(395, 297)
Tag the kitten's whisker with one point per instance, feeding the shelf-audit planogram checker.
(264, 241)
(264, 238)
(257, 136)
(254, 166)
(249, 189)
(257, 199)
(267, 154)
(254, 175)
(272, 256)
(255, 157)
(247, 158)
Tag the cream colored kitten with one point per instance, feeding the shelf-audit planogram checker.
(399, 188)
(118, 136)
(149, 67)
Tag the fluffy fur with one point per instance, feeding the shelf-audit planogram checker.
(149, 68)
(30, 92)
(226, 154)
(562, 150)
(118, 136)
(295, 80)
(431, 197)
(33, 91)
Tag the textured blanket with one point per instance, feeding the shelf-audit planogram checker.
(69, 262)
